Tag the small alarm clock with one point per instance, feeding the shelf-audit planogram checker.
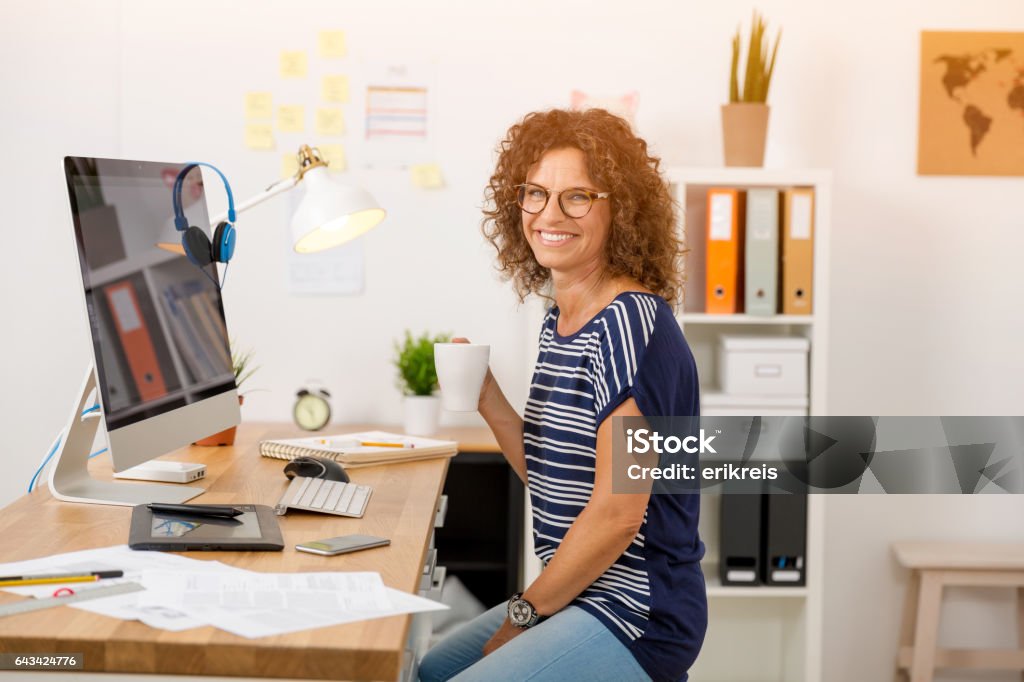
(312, 411)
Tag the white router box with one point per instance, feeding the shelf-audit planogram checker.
(167, 472)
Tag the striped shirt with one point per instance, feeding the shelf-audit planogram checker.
(652, 598)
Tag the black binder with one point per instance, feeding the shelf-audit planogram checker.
(784, 541)
(740, 539)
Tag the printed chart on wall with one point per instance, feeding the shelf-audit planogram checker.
(972, 104)
(398, 106)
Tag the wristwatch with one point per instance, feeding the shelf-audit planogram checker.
(521, 612)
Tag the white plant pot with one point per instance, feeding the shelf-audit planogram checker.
(421, 414)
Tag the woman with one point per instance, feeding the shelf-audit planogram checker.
(579, 209)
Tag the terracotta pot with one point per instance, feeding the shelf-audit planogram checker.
(225, 437)
(744, 130)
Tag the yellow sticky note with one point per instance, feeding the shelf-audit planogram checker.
(289, 165)
(294, 64)
(259, 105)
(334, 155)
(330, 121)
(332, 44)
(259, 136)
(291, 118)
(334, 88)
(427, 176)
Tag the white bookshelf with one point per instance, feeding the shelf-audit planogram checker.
(716, 590)
(704, 318)
(778, 629)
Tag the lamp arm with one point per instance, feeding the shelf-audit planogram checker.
(273, 190)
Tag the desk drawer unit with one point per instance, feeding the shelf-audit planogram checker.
(431, 586)
(442, 512)
(422, 626)
(428, 571)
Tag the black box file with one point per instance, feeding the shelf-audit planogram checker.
(740, 539)
(784, 540)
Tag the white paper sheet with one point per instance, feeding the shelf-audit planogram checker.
(400, 116)
(185, 593)
(118, 557)
(265, 604)
(253, 623)
(322, 591)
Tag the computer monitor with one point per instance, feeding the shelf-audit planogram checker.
(160, 345)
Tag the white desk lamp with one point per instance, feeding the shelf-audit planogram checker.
(329, 215)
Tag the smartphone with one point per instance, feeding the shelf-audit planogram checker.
(342, 544)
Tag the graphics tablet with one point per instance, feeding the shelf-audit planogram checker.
(255, 529)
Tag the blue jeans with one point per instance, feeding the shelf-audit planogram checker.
(571, 645)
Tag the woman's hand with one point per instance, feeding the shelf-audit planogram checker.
(489, 381)
(506, 633)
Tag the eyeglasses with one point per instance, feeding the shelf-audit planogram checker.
(575, 202)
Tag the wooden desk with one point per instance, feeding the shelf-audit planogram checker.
(402, 508)
(469, 438)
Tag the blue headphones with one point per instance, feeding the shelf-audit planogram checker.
(199, 249)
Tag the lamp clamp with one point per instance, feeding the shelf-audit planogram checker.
(309, 158)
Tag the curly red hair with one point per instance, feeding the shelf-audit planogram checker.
(643, 242)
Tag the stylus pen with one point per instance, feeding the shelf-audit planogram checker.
(17, 580)
(196, 509)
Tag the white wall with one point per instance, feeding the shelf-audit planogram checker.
(926, 304)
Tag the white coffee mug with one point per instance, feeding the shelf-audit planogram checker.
(461, 368)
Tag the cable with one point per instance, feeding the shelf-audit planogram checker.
(219, 287)
(56, 444)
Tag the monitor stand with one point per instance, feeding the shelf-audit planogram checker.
(69, 474)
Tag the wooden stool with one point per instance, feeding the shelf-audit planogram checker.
(933, 565)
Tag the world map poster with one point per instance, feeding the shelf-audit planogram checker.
(972, 104)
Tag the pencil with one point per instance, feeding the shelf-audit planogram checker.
(18, 581)
(376, 444)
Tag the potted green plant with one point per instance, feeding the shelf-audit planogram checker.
(241, 365)
(417, 379)
(745, 117)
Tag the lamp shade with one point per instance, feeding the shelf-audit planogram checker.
(331, 214)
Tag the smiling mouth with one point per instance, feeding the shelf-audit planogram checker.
(555, 237)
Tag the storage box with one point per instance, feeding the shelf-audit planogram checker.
(763, 365)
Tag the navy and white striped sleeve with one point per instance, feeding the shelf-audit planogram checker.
(627, 330)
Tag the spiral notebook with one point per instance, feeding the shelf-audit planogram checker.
(363, 448)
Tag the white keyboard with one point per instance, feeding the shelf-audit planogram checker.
(321, 495)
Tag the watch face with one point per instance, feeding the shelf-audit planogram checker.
(520, 612)
(312, 412)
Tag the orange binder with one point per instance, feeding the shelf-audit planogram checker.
(724, 273)
(797, 251)
(135, 340)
